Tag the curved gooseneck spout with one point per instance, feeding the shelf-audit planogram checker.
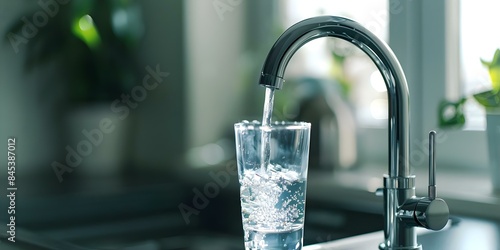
(402, 210)
(397, 89)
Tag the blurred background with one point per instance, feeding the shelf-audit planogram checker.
(123, 114)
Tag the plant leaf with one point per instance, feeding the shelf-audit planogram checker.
(495, 77)
(485, 63)
(489, 99)
(494, 71)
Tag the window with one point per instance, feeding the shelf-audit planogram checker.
(426, 38)
(477, 41)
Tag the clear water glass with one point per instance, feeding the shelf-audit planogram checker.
(272, 171)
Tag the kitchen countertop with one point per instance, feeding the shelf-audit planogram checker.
(459, 234)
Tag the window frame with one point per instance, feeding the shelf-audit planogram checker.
(429, 55)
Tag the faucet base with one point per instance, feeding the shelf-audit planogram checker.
(382, 246)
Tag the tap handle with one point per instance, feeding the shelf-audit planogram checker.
(432, 165)
(428, 212)
(432, 212)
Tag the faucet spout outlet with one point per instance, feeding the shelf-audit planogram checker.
(400, 203)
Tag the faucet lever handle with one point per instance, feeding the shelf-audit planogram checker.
(432, 165)
(428, 212)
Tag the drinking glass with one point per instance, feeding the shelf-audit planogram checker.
(272, 171)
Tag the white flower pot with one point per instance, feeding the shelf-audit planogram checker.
(493, 133)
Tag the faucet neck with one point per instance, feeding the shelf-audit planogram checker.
(397, 89)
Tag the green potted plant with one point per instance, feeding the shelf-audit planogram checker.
(93, 44)
(451, 115)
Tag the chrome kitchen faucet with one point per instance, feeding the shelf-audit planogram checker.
(403, 211)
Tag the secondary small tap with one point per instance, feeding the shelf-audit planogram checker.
(403, 211)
